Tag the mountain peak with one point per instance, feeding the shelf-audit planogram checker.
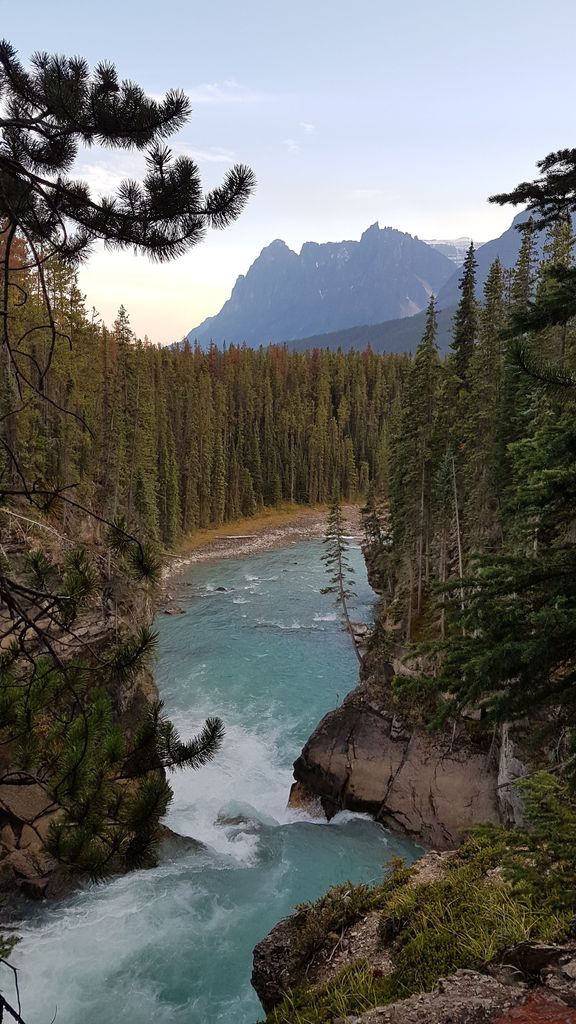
(374, 229)
(276, 247)
(328, 286)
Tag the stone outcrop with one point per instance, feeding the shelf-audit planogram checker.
(537, 987)
(464, 998)
(276, 969)
(26, 809)
(364, 757)
(25, 817)
(526, 983)
(273, 972)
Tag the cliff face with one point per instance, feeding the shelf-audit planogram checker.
(26, 813)
(432, 786)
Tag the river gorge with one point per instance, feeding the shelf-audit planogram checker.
(259, 645)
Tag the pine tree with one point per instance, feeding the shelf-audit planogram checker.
(57, 710)
(466, 318)
(425, 389)
(512, 650)
(482, 443)
(337, 563)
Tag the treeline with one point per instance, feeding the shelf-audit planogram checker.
(466, 432)
(170, 440)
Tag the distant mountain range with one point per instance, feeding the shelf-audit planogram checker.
(351, 294)
(455, 249)
(506, 247)
(327, 287)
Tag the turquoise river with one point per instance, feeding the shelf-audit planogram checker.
(174, 945)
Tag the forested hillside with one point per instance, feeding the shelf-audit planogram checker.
(171, 440)
(480, 452)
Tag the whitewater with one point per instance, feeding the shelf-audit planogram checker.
(170, 945)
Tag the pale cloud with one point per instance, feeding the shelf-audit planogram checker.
(227, 91)
(365, 193)
(308, 128)
(214, 155)
(104, 178)
(291, 145)
(101, 180)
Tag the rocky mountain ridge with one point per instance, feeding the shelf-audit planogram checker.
(353, 294)
(284, 296)
(506, 247)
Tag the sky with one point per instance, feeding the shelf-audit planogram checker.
(409, 113)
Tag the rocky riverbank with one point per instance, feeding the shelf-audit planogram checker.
(28, 808)
(357, 948)
(375, 755)
(366, 756)
(265, 532)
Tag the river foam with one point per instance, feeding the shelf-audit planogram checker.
(173, 945)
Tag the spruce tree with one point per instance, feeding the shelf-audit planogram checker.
(465, 328)
(512, 650)
(482, 443)
(337, 564)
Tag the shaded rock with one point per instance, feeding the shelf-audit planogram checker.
(432, 787)
(466, 997)
(530, 958)
(221, 590)
(302, 800)
(172, 845)
(23, 802)
(8, 837)
(176, 610)
(550, 967)
(360, 632)
(399, 729)
(273, 972)
(34, 888)
(33, 873)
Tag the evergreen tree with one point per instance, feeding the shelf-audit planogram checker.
(486, 368)
(425, 389)
(337, 564)
(512, 649)
(58, 104)
(466, 318)
(56, 691)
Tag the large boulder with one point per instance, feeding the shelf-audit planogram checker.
(273, 972)
(431, 786)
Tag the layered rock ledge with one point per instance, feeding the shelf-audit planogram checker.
(363, 756)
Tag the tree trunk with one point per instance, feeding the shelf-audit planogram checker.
(458, 534)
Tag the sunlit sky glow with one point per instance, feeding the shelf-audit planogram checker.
(410, 113)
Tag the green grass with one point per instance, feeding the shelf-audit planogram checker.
(461, 920)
